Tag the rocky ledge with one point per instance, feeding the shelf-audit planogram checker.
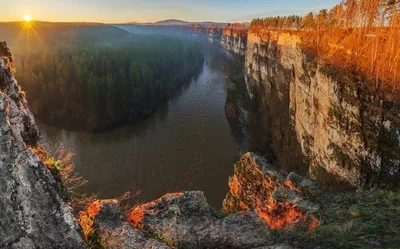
(264, 209)
(261, 200)
(281, 201)
(180, 220)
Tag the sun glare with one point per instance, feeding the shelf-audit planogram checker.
(27, 18)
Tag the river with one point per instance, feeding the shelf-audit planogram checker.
(188, 144)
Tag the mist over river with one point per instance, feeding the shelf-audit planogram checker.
(187, 144)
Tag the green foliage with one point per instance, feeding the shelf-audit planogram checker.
(279, 22)
(54, 165)
(89, 83)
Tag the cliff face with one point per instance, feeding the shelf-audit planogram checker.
(33, 213)
(214, 34)
(234, 39)
(318, 121)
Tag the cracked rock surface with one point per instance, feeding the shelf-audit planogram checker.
(187, 220)
(106, 227)
(32, 213)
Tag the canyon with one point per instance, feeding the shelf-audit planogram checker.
(313, 128)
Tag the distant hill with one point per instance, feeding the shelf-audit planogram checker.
(176, 22)
(171, 22)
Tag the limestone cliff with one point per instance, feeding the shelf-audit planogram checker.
(214, 34)
(33, 213)
(234, 39)
(316, 120)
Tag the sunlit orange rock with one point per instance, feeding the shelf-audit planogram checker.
(186, 220)
(105, 226)
(137, 215)
(236, 30)
(281, 201)
(86, 218)
(234, 38)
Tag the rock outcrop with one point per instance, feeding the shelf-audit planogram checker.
(281, 201)
(33, 213)
(181, 220)
(187, 221)
(105, 226)
(317, 120)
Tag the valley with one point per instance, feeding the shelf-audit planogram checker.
(279, 133)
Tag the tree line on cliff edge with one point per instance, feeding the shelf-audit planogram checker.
(358, 35)
(85, 82)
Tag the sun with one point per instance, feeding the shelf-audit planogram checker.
(27, 18)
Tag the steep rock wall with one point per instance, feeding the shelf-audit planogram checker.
(214, 34)
(315, 120)
(234, 40)
(33, 213)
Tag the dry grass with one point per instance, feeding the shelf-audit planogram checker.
(62, 167)
(64, 164)
(363, 220)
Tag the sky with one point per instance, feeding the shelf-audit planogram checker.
(120, 11)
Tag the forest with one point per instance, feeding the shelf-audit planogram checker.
(84, 79)
(359, 36)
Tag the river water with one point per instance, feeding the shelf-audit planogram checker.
(188, 144)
